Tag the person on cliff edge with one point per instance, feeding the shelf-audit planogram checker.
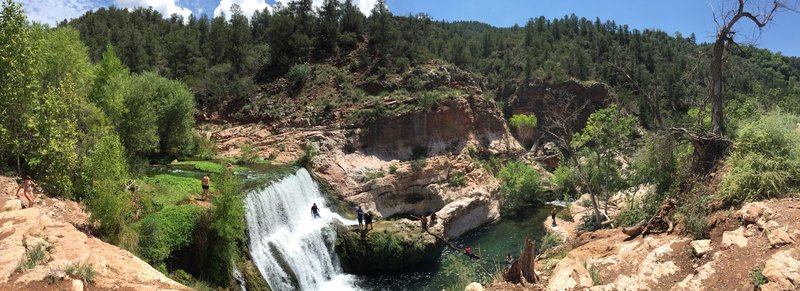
(553, 215)
(368, 220)
(360, 216)
(205, 182)
(27, 190)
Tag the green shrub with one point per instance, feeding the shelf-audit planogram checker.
(565, 214)
(207, 167)
(694, 215)
(458, 179)
(392, 169)
(564, 181)
(111, 207)
(169, 189)
(227, 229)
(419, 164)
(248, 154)
(588, 223)
(523, 121)
(82, 271)
(757, 277)
(167, 231)
(595, 274)
(308, 154)
(631, 215)
(765, 161)
(520, 185)
(549, 241)
(33, 257)
(204, 147)
(298, 76)
(374, 175)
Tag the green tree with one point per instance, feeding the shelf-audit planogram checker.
(228, 227)
(110, 86)
(521, 183)
(600, 141)
(52, 156)
(240, 39)
(328, 27)
(383, 33)
(139, 128)
(18, 82)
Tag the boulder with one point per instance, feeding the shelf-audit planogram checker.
(779, 237)
(13, 204)
(570, 274)
(752, 212)
(77, 285)
(782, 272)
(474, 286)
(701, 247)
(734, 237)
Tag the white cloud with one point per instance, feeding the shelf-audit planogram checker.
(248, 7)
(364, 5)
(53, 11)
(165, 7)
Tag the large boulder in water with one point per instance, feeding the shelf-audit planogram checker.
(389, 247)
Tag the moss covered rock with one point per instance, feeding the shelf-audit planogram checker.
(389, 247)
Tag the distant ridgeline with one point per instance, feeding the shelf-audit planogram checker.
(248, 53)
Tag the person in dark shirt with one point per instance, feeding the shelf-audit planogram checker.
(315, 211)
(360, 216)
(368, 220)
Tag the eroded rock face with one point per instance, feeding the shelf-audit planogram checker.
(468, 213)
(549, 101)
(448, 128)
(569, 274)
(116, 268)
(782, 271)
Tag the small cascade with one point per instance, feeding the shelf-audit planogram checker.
(291, 250)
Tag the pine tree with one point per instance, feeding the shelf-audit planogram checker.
(328, 27)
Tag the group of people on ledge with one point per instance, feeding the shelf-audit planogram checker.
(425, 219)
(364, 218)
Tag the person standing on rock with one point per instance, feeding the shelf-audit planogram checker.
(205, 182)
(368, 220)
(434, 219)
(27, 190)
(509, 261)
(360, 216)
(315, 211)
(424, 222)
(553, 215)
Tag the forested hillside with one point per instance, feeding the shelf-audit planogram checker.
(88, 106)
(249, 51)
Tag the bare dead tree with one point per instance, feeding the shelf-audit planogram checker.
(760, 13)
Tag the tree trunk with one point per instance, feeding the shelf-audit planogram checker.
(717, 124)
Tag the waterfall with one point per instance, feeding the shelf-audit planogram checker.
(291, 250)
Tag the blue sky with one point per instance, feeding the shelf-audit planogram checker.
(685, 16)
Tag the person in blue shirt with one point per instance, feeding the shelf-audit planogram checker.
(360, 216)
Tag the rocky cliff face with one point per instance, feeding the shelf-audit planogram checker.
(559, 108)
(40, 244)
(376, 166)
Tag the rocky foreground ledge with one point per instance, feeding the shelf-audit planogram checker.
(751, 248)
(41, 248)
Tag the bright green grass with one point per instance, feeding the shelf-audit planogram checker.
(170, 189)
(208, 166)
